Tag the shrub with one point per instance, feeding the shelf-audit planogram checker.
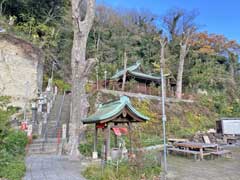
(62, 85)
(85, 149)
(12, 150)
(15, 142)
(13, 170)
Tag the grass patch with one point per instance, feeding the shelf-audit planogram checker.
(144, 166)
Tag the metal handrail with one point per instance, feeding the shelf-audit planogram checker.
(58, 121)
(46, 128)
(45, 134)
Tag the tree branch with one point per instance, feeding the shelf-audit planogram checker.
(1, 7)
(89, 65)
(90, 14)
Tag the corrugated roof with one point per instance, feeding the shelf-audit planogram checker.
(108, 110)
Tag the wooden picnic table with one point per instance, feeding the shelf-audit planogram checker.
(175, 140)
(198, 147)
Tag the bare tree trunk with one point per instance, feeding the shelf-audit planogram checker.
(125, 71)
(1, 7)
(80, 71)
(232, 72)
(232, 60)
(183, 53)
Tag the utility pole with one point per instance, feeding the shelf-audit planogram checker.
(105, 77)
(97, 76)
(125, 70)
(164, 119)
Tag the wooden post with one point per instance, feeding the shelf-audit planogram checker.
(95, 139)
(201, 153)
(95, 153)
(145, 87)
(108, 141)
(115, 138)
(105, 144)
(130, 136)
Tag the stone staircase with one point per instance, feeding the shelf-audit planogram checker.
(40, 146)
(49, 143)
(52, 128)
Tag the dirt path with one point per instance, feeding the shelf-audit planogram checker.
(181, 168)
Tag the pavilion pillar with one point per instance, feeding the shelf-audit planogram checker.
(95, 142)
(115, 138)
(95, 138)
(145, 87)
(107, 142)
(130, 136)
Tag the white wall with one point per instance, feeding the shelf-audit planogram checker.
(16, 68)
(231, 126)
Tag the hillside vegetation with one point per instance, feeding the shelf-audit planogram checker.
(211, 62)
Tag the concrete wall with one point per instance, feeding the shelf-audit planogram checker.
(20, 63)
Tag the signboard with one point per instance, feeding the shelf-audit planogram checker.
(40, 128)
(64, 131)
(29, 130)
(231, 126)
(23, 126)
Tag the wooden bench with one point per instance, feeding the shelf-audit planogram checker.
(195, 153)
(222, 153)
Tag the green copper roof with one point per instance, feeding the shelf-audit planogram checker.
(130, 68)
(133, 70)
(146, 76)
(111, 109)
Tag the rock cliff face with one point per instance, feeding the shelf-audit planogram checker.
(21, 69)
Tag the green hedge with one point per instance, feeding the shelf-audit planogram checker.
(12, 153)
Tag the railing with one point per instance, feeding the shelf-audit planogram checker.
(48, 99)
(58, 127)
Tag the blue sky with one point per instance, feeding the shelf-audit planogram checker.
(216, 16)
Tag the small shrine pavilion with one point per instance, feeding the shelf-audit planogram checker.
(137, 73)
(117, 116)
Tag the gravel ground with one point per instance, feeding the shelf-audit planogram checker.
(181, 168)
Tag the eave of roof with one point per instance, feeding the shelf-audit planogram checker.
(145, 76)
(132, 70)
(108, 110)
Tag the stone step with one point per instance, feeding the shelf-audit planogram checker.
(40, 151)
(41, 140)
(49, 143)
(39, 146)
